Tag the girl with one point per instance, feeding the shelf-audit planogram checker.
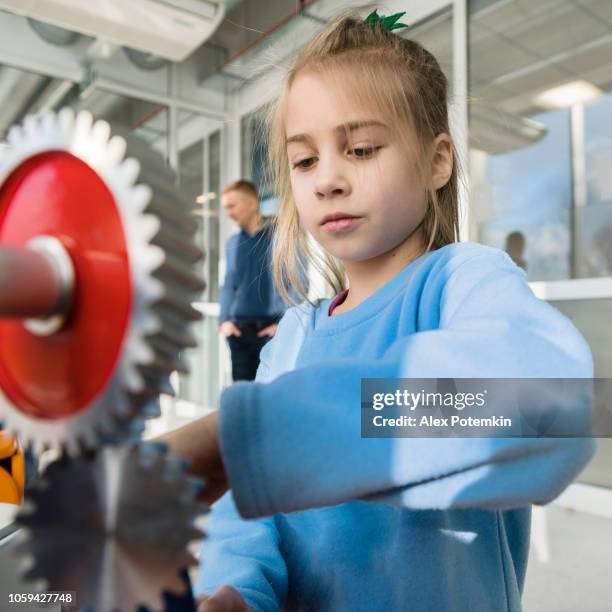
(363, 162)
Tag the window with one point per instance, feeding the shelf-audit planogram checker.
(540, 135)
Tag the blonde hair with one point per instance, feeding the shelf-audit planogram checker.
(393, 76)
(243, 186)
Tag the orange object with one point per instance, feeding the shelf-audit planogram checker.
(8, 445)
(12, 470)
(18, 471)
(9, 492)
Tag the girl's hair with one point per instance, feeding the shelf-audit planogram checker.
(394, 78)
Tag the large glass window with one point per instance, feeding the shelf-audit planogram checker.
(592, 318)
(540, 139)
(254, 159)
(523, 198)
(212, 216)
(200, 178)
(539, 117)
(596, 216)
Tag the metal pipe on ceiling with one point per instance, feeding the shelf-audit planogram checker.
(299, 9)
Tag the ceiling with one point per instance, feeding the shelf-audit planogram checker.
(517, 49)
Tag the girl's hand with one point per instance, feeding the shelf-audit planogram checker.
(226, 599)
(198, 442)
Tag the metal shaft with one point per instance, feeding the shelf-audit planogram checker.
(30, 284)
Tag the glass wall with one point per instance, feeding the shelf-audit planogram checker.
(540, 111)
(254, 150)
(595, 222)
(200, 179)
(592, 318)
(540, 136)
(212, 216)
(526, 213)
(541, 153)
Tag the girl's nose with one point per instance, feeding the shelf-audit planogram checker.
(330, 182)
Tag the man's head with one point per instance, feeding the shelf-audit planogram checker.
(241, 201)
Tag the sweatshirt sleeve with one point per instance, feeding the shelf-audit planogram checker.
(243, 553)
(295, 442)
(227, 290)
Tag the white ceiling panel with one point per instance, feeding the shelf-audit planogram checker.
(601, 77)
(496, 57)
(597, 54)
(558, 33)
(600, 8)
(536, 80)
(505, 13)
(488, 93)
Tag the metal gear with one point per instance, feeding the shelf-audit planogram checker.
(158, 233)
(12, 567)
(120, 520)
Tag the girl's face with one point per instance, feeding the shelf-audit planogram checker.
(346, 161)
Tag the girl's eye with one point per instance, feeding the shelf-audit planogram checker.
(363, 152)
(303, 164)
(357, 152)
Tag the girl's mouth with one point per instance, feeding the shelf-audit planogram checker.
(338, 226)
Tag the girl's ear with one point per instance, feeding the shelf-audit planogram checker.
(442, 160)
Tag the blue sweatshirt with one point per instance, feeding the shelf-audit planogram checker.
(248, 292)
(421, 524)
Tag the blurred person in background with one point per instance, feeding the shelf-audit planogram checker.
(250, 304)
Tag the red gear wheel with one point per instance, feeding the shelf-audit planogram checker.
(57, 194)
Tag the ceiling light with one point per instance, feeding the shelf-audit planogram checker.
(575, 92)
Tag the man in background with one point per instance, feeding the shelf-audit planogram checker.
(250, 304)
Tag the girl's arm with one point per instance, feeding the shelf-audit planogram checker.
(295, 442)
(235, 552)
(245, 555)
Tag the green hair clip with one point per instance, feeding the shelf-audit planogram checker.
(389, 23)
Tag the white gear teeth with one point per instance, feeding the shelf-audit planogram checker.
(130, 170)
(150, 226)
(66, 120)
(48, 123)
(14, 135)
(29, 125)
(116, 150)
(101, 132)
(82, 127)
(159, 235)
(142, 197)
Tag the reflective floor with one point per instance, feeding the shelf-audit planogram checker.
(578, 572)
